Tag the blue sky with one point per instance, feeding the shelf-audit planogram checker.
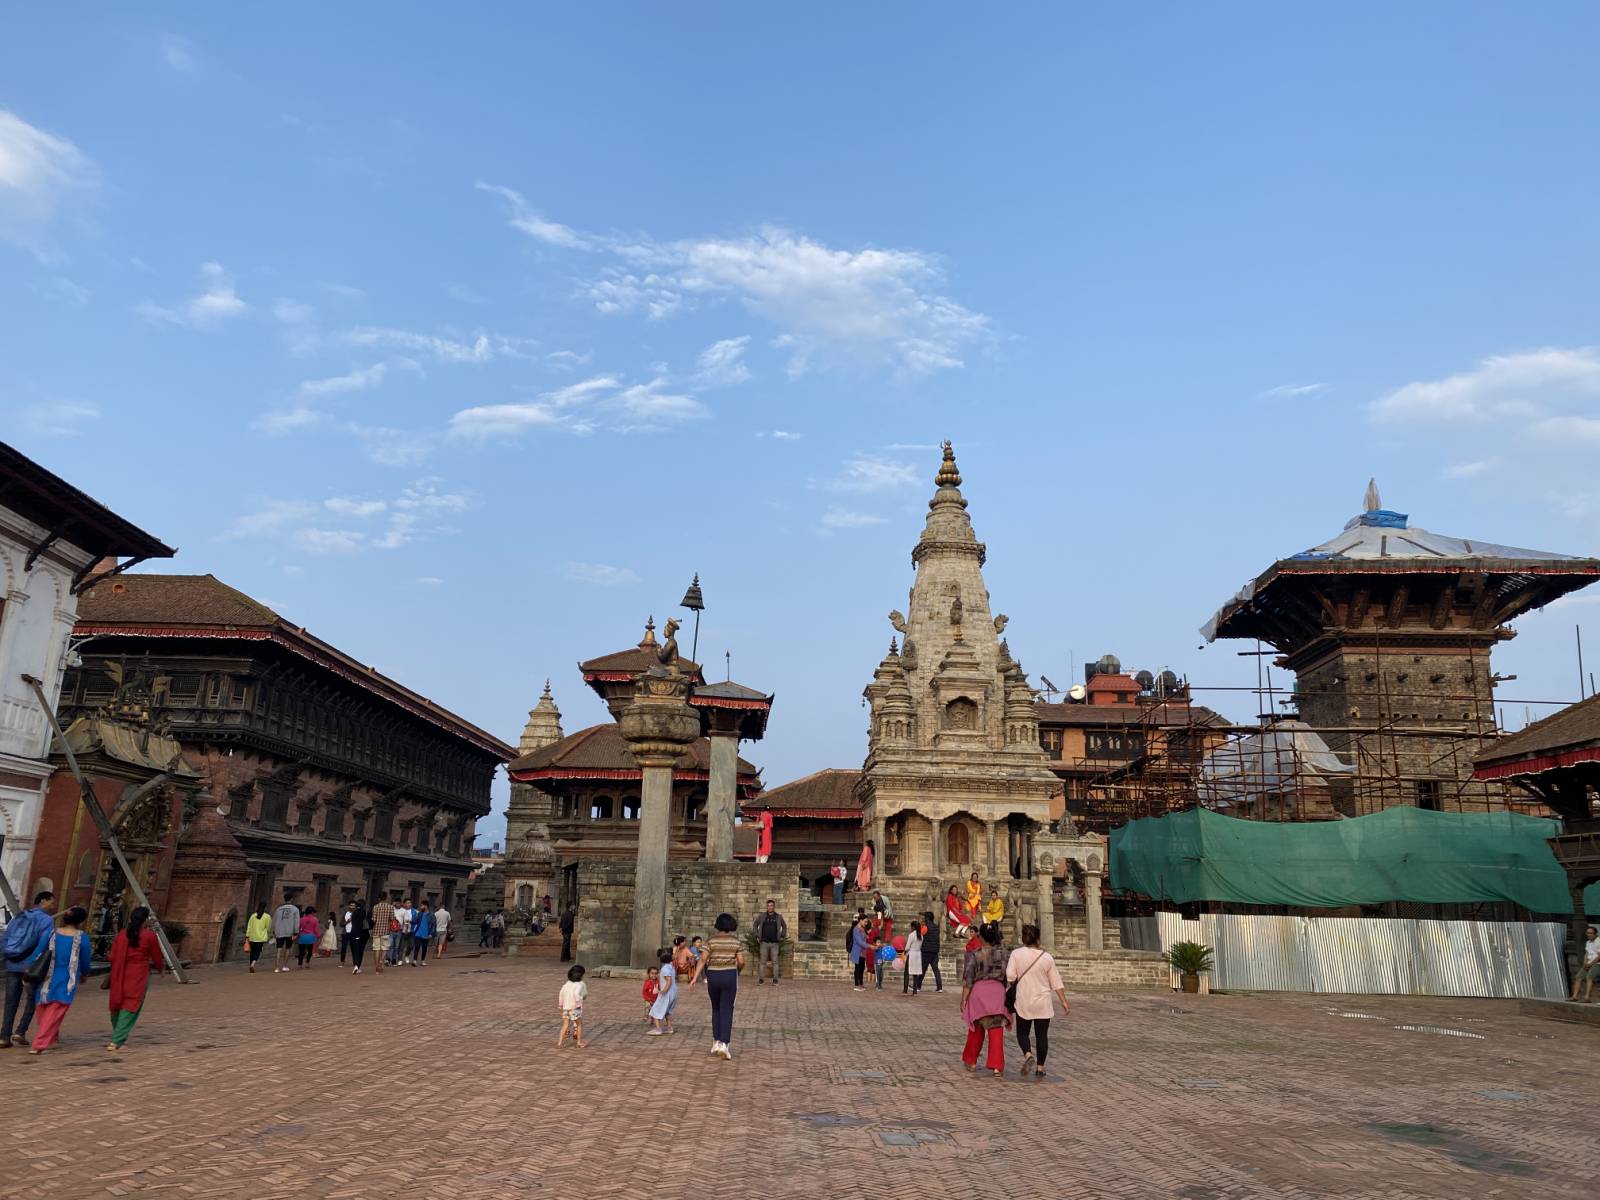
(465, 339)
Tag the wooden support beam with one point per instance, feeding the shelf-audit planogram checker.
(1396, 608)
(1359, 606)
(1443, 605)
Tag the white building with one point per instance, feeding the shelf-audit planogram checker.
(54, 541)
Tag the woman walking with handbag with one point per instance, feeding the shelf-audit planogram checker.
(63, 965)
(1034, 979)
(133, 952)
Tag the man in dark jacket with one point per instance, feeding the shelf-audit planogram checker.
(569, 919)
(930, 951)
(771, 932)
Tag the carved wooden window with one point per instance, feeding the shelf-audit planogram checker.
(383, 826)
(694, 808)
(1051, 741)
(630, 808)
(274, 804)
(213, 690)
(241, 694)
(1114, 744)
(600, 808)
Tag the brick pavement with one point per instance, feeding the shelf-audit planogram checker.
(444, 1081)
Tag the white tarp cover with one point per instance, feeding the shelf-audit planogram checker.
(1265, 764)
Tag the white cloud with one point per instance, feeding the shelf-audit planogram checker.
(531, 223)
(420, 509)
(600, 574)
(178, 52)
(38, 171)
(289, 420)
(478, 348)
(346, 507)
(567, 359)
(868, 473)
(721, 364)
(358, 380)
(216, 303)
(430, 580)
(1291, 391)
(1470, 470)
(293, 569)
(62, 291)
(58, 418)
(870, 307)
(1503, 385)
(1568, 429)
(292, 312)
(394, 447)
(461, 292)
(780, 435)
(843, 518)
(599, 401)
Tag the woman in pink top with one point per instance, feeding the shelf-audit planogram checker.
(1034, 971)
(310, 931)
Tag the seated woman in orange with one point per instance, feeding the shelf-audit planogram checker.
(974, 897)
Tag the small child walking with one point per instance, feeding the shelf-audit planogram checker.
(666, 999)
(573, 992)
(652, 989)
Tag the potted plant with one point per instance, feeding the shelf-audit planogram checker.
(1190, 960)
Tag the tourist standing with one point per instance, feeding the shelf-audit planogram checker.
(285, 928)
(330, 937)
(983, 1002)
(860, 950)
(1038, 980)
(724, 959)
(422, 934)
(257, 933)
(573, 993)
(69, 965)
(1587, 974)
(877, 939)
(497, 928)
(344, 930)
(911, 982)
(400, 942)
(310, 931)
(384, 925)
(27, 937)
(484, 932)
(441, 926)
(930, 951)
(864, 866)
(569, 920)
(357, 931)
(763, 836)
(667, 1000)
(838, 872)
(133, 952)
(771, 932)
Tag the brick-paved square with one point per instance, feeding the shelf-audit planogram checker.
(445, 1081)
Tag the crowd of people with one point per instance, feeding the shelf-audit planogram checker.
(399, 932)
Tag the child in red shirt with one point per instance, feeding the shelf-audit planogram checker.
(652, 989)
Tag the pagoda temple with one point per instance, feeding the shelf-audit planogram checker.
(1388, 629)
(954, 779)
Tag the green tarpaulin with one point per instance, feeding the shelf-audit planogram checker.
(1399, 854)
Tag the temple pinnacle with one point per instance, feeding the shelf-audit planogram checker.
(1373, 502)
(948, 476)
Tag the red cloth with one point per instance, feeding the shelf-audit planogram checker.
(130, 969)
(652, 989)
(764, 842)
(996, 1058)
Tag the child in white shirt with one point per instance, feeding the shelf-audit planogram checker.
(571, 1000)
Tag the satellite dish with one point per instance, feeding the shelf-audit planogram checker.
(1145, 680)
(1077, 693)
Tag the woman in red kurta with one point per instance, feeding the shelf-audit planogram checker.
(133, 952)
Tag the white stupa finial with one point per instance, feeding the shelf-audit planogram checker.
(1373, 502)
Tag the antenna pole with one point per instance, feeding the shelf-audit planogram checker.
(1578, 632)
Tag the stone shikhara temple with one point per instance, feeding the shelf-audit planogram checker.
(632, 821)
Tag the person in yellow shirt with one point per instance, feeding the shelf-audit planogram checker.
(995, 910)
(974, 896)
(257, 933)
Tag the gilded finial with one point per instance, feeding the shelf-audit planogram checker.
(948, 476)
(649, 631)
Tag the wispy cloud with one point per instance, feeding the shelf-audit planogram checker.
(420, 509)
(474, 348)
(1293, 391)
(1470, 470)
(779, 435)
(178, 53)
(359, 380)
(1568, 429)
(721, 364)
(600, 574)
(1503, 385)
(290, 420)
(60, 290)
(867, 307)
(523, 218)
(58, 418)
(38, 173)
(567, 359)
(869, 473)
(601, 401)
(216, 303)
(429, 580)
(844, 518)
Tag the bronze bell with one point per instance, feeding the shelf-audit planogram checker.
(692, 599)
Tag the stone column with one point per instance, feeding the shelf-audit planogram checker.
(721, 800)
(1091, 902)
(989, 827)
(1043, 873)
(938, 845)
(657, 725)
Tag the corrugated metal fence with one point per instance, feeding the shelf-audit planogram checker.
(1518, 959)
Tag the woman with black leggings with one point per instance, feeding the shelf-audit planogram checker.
(357, 933)
(720, 965)
(1033, 970)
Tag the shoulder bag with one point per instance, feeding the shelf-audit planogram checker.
(39, 969)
